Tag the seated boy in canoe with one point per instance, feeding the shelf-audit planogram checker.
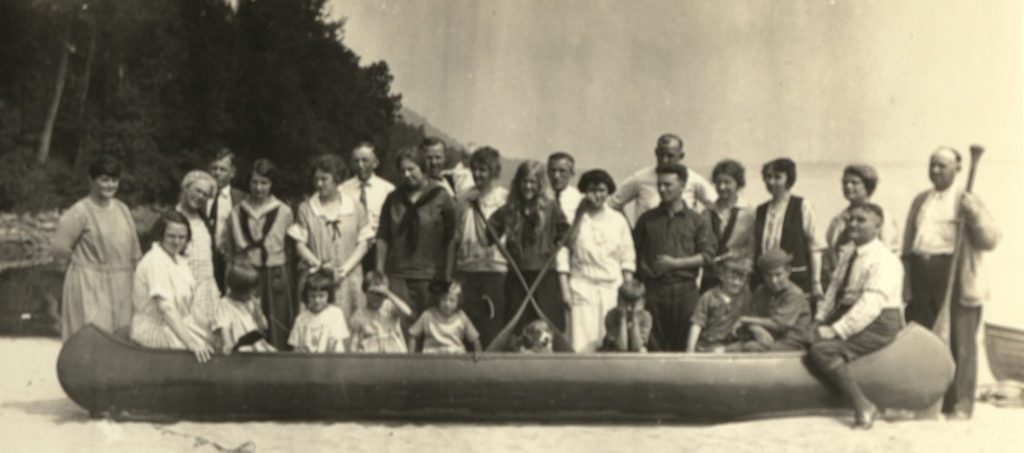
(779, 317)
(720, 308)
(628, 325)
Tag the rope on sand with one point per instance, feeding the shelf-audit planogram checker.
(247, 447)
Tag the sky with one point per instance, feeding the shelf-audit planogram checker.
(870, 81)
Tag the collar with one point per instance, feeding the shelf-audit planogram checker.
(225, 192)
(320, 211)
(270, 205)
(784, 202)
(868, 246)
(666, 208)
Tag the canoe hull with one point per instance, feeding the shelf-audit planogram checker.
(1005, 348)
(112, 378)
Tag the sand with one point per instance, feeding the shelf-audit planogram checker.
(35, 415)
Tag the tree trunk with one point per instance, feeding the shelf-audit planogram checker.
(51, 117)
(88, 67)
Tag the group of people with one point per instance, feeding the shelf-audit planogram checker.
(445, 260)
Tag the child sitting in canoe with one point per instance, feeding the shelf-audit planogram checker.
(720, 308)
(628, 325)
(779, 318)
(445, 328)
(239, 323)
(376, 328)
(321, 327)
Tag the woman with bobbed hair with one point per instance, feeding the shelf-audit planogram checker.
(164, 291)
(332, 234)
(859, 183)
(481, 268)
(415, 239)
(731, 219)
(601, 259)
(258, 226)
(98, 235)
(787, 222)
(533, 226)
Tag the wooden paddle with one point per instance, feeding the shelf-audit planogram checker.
(941, 326)
(501, 340)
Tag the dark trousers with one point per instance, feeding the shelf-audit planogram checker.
(928, 280)
(548, 296)
(671, 305)
(483, 300)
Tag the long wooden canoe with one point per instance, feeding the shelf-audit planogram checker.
(113, 378)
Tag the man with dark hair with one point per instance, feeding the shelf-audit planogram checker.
(928, 245)
(860, 313)
(642, 185)
(561, 168)
(219, 207)
(672, 243)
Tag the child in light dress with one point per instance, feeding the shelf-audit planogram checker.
(376, 327)
(321, 327)
(445, 328)
(239, 316)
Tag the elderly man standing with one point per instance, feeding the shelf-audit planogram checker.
(642, 185)
(371, 190)
(218, 209)
(672, 243)
(860, 313)
(561, 169)
(928, 245)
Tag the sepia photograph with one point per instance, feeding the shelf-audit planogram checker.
(511, 225)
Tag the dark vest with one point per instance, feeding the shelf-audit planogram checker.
(793, 240)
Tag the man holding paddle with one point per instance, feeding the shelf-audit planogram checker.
(948, 230)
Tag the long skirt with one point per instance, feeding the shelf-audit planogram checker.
(98, 296)
(483, 300)
(548, 296)
(277, 304)
(591, 302)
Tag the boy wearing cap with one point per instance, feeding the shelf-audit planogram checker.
(780, 313)
(628, 326)
(720, 308)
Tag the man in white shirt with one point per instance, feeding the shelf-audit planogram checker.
(371, 190)
(860, 313)
(642, 185)
(928, 245)
(561, 169)
(218, 210)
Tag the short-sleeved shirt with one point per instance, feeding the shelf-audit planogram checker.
(313, 331)
(163, 277)
(332, 234)
(789, 308)
(717, 313)
(613, 322)
(377, 331)
(444, 335)
(663, 232)
(417, 247)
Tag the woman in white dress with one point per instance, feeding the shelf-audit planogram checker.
(164, 292)
(601, 258)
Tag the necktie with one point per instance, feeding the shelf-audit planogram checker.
(362, 193)
(213, 213)
(846, 280)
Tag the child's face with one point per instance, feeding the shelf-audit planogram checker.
(733, 280)
(776, 278)
(374, 299)
(448, 304)
(317, 300)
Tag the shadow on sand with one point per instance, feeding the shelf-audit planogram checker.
(59, 410)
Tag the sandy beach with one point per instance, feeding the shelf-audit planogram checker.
(35, 415)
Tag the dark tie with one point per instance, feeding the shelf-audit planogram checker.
(730, 225)
(213, 213)
(840, 310)
(362, 193)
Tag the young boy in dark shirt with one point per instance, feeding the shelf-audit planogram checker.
(780, 314)
(720, 308)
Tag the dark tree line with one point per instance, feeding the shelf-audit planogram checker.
(162, 84)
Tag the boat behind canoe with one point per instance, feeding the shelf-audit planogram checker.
(1005, 349)
(113, 378)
